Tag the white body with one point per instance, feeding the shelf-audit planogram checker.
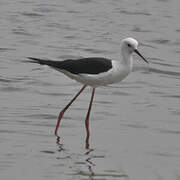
(117, 73)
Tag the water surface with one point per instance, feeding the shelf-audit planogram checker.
(135, 127)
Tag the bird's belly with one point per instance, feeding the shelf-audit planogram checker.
(101, 79)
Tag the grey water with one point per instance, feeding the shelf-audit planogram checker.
(134, 125)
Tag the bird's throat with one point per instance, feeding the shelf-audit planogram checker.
(127, 59)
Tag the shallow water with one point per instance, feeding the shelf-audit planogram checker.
(135, 125)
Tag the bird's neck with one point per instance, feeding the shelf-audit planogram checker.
(126, 59)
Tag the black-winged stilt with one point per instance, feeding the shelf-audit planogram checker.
(94, 72)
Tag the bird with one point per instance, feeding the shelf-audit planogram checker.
(94, 72)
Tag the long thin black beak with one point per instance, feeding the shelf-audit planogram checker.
(137, 52)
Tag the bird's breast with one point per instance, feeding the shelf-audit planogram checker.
(120, 71)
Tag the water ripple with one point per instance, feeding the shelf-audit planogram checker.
(86, 173)
(40, 116)
(6, 49)
(159, 71)
(135, 13)
(160, 41)
(11, 89)
(31, 14)
(138, 29)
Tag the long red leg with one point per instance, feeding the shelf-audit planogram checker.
(87, 119)
(63, 111)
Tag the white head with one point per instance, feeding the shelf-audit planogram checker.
(130, 45)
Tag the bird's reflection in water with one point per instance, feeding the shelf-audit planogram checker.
(92, 171)
(88, 160)
(90, 164)
(60, 145)
(86, 164)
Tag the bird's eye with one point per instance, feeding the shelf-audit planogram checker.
(129, 45)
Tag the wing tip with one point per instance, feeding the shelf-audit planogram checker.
(35, 60)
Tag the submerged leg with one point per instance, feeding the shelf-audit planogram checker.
(63, 111)
(87, 119)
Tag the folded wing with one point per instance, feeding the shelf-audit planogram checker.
(93, 65)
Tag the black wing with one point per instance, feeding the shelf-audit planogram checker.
(93, 65)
